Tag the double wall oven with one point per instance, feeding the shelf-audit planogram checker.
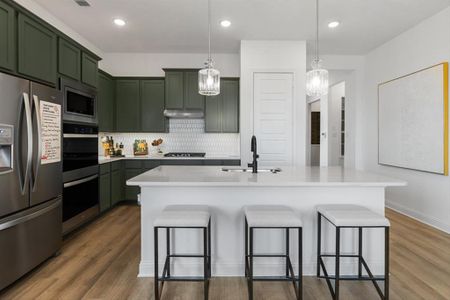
(80, 155)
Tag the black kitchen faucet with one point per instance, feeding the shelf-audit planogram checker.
(254, 164)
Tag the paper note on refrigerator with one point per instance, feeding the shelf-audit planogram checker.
(50, 132)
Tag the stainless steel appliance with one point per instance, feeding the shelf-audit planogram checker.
(80, 102)
(80, 165)
(185, 154)
(30, 176)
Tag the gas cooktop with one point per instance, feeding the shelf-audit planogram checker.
(185, 154)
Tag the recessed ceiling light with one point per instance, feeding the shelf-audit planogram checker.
(225, 23)
(333, 24)
(119, 22)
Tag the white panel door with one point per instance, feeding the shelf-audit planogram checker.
(272, 120)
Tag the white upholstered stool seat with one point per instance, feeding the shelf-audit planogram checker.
(271, 216)
(350, 215)
(183, 216)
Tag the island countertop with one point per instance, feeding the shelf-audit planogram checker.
(289, 176)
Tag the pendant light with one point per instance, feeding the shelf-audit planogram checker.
(208, 77)
(317, 78)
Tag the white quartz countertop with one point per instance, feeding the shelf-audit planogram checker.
(106, 159)
(289, 176)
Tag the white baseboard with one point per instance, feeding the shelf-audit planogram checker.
(235, 269)
(418, 216)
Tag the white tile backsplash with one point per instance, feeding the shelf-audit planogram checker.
(185, 135)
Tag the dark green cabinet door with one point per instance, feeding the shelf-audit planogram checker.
(7, 37)
(127, 105)
(131, 192)
(69, 59)
(117, 184)
(192, 99)
(37, 50)
(174, 90)
(213, 115)
(230, 105)
(105, 102)
(152, 106)
(105, 191)
(89, 69)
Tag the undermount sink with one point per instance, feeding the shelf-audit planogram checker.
(249, 170)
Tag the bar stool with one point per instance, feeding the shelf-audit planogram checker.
(272, 217)
(352, 216)
(183, 216)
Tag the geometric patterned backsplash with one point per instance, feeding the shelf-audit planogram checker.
(185, 135)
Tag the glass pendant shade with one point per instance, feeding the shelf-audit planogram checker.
(209, 80)
(317, 80)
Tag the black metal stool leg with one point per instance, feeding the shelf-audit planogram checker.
(319, 241)
(246, 247)
(386, 263)
(209, 248)
(168, 250)
(156, 283)
(337, 272)
(360, 236)
(250, 281)
(300, 264)
(287, 252)
(205, 263)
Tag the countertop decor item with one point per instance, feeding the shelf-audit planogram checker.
(157, 143)
(140, 147)
(317, 78)
(208, 77)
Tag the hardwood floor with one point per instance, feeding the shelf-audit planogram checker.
(101, 262)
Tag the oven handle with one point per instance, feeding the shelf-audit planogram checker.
(80, 181)
(74, 135)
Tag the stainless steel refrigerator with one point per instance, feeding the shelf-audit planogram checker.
(30, 176)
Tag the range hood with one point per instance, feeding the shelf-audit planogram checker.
(184, 113)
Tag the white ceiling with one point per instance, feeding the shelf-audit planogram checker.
(180, 26)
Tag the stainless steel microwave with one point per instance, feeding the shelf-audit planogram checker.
(80, 102)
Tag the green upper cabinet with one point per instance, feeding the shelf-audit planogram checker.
(37, 50)
(230, 105)
(127, 105)
(89, 69)
(105, 102)
(222, 111)
(69, 59)
(152, 106)
(174, 90)
(192, 99)
(182, 90)
(7, 37)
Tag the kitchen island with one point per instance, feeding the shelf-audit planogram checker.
(301, 188)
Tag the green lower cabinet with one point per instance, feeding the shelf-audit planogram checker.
(37, 45)
(131, 192)
(7, 37)
(222, 111)
(105, 192)
(152, 106)
(117, 183)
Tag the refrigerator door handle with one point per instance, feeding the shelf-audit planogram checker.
(26, 104)
(39, 141)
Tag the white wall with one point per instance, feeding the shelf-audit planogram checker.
(151, 64)
(57, 23)
(427, 197)
(273, 56)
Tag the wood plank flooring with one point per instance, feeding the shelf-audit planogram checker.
(101, 261)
